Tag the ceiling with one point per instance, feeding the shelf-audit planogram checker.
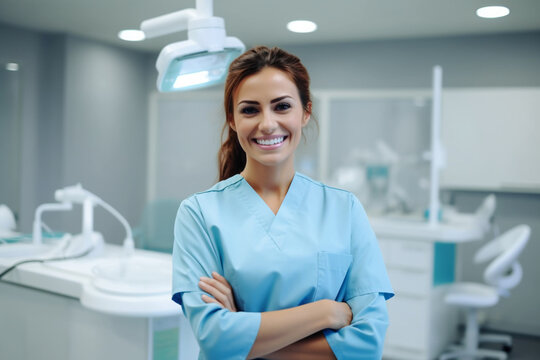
(263, 21)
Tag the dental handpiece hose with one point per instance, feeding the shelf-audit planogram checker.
(129, 244)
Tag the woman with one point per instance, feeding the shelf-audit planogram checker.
(269, 263)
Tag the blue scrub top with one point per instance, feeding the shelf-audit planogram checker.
(319, 245)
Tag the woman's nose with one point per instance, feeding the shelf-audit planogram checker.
(268, 123)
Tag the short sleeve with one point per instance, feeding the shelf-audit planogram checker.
(367, 288)
(221, 334)
(364, 338)
(194, 254)
(367, 273)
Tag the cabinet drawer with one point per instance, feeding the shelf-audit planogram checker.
(410, 282)
(417, 255)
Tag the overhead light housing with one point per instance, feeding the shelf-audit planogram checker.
(302, 26)
(492, 12)
(200, 61)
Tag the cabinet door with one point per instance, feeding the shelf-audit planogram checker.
(491, 139)
(408, 323)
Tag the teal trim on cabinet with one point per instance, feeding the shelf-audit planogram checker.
(444, 266)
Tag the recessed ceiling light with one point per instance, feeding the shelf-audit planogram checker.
(131, 35)
(302, 26)
(491, 12)
(12, 67)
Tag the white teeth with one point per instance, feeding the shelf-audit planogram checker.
(271, 141)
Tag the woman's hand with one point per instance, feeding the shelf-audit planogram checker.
(340, 314)
(220, 289)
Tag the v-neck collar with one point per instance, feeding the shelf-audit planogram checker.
(262, 211)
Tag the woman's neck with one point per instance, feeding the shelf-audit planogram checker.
(271, 183)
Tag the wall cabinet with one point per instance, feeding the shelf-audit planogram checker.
(491, 139)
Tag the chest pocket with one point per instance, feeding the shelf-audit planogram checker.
(332, 269)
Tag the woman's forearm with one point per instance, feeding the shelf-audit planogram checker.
(281, 328)
(314, 347)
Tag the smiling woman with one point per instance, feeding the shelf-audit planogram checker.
(268, 120)
(268, 262)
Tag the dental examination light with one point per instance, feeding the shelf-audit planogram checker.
(200, 61)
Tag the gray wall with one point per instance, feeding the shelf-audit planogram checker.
(10, 138)
(23, 47)
(105, 123)
(84, 119)
(496, 60)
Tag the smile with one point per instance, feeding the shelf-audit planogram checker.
(274, 141)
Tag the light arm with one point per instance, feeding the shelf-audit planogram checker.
(176, 21)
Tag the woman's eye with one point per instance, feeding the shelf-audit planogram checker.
(283, 106)
(248, 110)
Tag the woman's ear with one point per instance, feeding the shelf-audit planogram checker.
(230, 121)
(307, 114)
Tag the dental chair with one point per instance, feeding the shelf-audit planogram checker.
(485, 212)
(502, 274)
(483, 215)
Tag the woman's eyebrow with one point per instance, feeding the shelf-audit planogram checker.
(279, 99)
(251, 102)
(273, 101)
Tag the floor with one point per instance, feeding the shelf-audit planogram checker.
(525, 348)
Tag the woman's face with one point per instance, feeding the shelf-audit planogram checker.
(268, 118)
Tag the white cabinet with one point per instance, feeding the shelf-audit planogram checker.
(420, 324)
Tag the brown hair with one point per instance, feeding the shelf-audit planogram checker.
(231, 156)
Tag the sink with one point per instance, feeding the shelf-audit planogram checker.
(113, 273)
(136, 275)
(25, 251)
(137, 286)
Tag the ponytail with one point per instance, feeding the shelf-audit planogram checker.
(231, 156)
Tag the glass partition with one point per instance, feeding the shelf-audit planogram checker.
(375, 145)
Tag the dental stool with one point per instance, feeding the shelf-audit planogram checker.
(502, 274)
